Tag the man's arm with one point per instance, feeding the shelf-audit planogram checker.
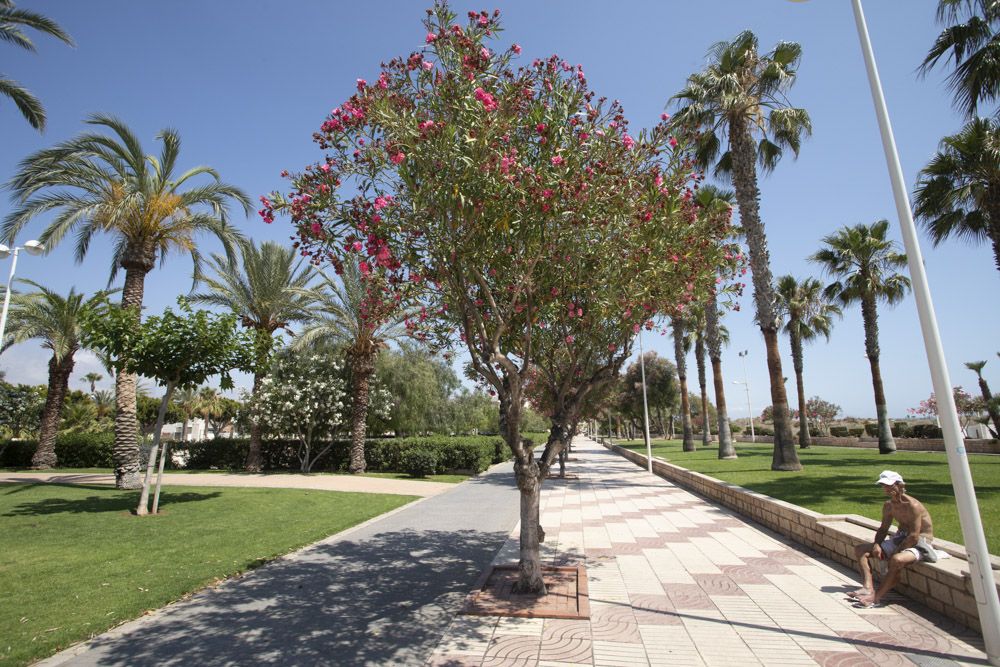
(883, 530)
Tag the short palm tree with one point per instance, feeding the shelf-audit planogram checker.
(186, 401)
(807, 314)
(12, 20)
(971, 42)
(865, 264)
(106, 183)
(92, 379)
(209, 405)
(958, 192)
(269, 289)
(740, 96)
(984, 389)
(678, 327)
(347, 315)
(55, 320)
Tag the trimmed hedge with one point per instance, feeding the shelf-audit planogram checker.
(73, 450)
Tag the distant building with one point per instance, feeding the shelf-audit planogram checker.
(196, 430)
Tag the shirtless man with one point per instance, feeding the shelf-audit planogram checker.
(910, 544)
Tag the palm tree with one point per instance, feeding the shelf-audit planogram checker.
(807, 314)
(958, 192)
(187, 402)
(11, 20)
(100, 183)
(55, 320)
(92, 379)
(865, 264)
(209, 404)
(348, 315)
(680, 358)
(104, 402)
(740, 96)
(268, 289)
(984, 388)
(971, 43)
(695, 337)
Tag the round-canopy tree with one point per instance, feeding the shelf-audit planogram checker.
(512, 207)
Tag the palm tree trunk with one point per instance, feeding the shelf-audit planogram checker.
(699, 355)
(681, 361)
(255, 460)
(59, 372)
(991, 409)
(126, 448)
(796, 341)
(743, 154)
(726, 449)
(362, 367)
(869, 313)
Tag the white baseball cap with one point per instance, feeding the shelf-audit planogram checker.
(888, 477)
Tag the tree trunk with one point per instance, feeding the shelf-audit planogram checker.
(126, 448)
(362, 367)
(869, 314)
(699, 355)
(796, 341)
(991, 409)
(59, 372)
(255, 459)
(743, 152)
(726, 449)
(681, 361)
(142, 508)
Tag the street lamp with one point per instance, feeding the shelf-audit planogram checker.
(746, 385)
(32, 248)
(645, 408)
(980, 569)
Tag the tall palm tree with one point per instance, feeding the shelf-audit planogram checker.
(958, 192)
(865, 264)
(98, 182)
(678, 327)
(740, 97)
(695, 337)
(971, 42)
(344, 316)
(12, 20)
(92, 379)
(269, 289)
(55, 320)
(807, 314)
(984, 389)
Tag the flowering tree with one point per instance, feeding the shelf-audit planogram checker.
(820, 412)
(514, 210)
(968, 408)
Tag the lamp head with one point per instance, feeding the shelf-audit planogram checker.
(4, 251)
(34, 248)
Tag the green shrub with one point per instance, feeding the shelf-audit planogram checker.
(419, 462)
(17, 453)
(763, 430)
(735, 429)
(839, 431)
(855, 431)
(902, 430)
(927, 431)
(73, 450)
(871, 429)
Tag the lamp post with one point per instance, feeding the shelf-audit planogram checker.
(32, 248)
(746, 386)
(645, 408)
(980, 570)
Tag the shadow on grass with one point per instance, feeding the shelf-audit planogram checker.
(118, 502)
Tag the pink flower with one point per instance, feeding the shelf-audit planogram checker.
(431, 38)
(584, 136)
(364, 268)
(516, 49)
(382, 202)
(361, 84)
(612, 348)
(356, 246)
(557, 160)
(397, 158)
(428, 65)
(489, 103)
(540, 127)
(664, 116)
(628, 141)
(546, 193)
(483, 21)
(485, 53)
(569, 340)
(658, 180)
(673, 142)
(316, 228)
(628, 312)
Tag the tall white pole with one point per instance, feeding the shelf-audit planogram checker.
(645, 408)
(746, 386)
(983, 584)
(6, 295)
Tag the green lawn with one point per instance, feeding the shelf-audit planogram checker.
(76, 562)
(449, 479)
(841, 480)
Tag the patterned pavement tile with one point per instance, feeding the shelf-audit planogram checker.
(718, 584)
(454, 661)
(654, 610)
(880, 647)
(614, 623)
(617, 654)
(512, 647)
(688, 596)
(842, 659)
(766, 565)
(567, 649)
(743, 574)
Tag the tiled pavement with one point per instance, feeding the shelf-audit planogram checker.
(675, 580)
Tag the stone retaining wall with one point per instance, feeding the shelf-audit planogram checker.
(944, 586)
(902, 444)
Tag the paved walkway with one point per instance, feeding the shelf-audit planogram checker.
(675, 580)
(404, 487)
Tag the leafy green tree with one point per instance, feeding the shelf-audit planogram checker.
(420, 386)
(180, 350)
(971, 43)
(79, 414)
(101, 183)
(958, 192)
(12, 22)
(473, 412)
(268, 289)
(865, 264)
(662, 392)
(54, 320)
(20, 407)
(344, 316)
(740, 96)
(989, 404)
(148, 412)
(807, 313)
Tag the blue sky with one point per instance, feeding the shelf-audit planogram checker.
(246, 83)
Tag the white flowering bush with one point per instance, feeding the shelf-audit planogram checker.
(302, 397)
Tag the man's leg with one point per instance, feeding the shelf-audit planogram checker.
(862, 553)
(897, 564)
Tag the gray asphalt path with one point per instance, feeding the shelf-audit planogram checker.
(380, 594)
